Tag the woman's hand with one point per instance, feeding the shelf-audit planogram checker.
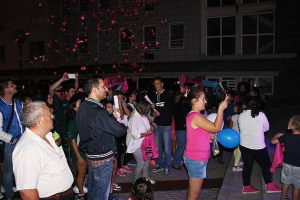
(81, 161)
(213, 136)
(149, 132)
(223, 105)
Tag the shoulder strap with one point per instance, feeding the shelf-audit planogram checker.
(11, 116)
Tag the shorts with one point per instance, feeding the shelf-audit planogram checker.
(196, 169)
(290, 175)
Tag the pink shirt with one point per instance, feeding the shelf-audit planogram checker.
(197, 141)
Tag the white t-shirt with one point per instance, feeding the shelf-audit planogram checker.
(252, 130)
(136, 125)
(235, 124)
(38, 166)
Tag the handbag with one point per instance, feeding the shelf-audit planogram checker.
(2, 145)
(149, 148)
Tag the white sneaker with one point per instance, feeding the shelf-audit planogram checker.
(76, 190)
(2, 189)
(237, 169)
(241, 163)
(1, 196)
(14, 189)
(151, 181)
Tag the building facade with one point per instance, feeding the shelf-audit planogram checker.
(224, 40)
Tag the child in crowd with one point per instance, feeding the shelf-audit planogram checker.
(142, 190)
(238, 108)
(114, 186)
(290, 174)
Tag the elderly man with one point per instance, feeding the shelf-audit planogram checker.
(40, 166)
(97, 131)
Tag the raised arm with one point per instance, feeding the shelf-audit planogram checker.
(57, 83)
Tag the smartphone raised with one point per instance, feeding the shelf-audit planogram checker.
(71, 76)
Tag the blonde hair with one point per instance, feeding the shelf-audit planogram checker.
(295, 121)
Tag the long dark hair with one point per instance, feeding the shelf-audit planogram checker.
(252, 103)
(194, 93)
(70, 112)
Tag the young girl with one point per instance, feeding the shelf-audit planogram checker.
(235, 126)
(78, 156)
(114, 186)
(291, 164)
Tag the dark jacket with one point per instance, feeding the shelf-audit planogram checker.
(97, 130)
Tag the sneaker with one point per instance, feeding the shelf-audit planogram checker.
(115, 187)
(120, 172)
(272, 188)
(157, 169)
(284, 197)
(132, 162)
(111, 197)
(76, 190)
(2, 189)
(237, 169)
(249, 189)
(241, 163)
(126, 169)
(81, 197)
(167, 172)
(1, 196)
(152, 163)
(15, 189)
(177, 167)
(151, 181)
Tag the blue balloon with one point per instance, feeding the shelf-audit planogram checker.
(229, 138)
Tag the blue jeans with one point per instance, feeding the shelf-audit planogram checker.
(99, 181)
(163, 141)
(8, 170)
(181, 142)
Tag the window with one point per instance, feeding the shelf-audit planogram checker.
(83, 43)
(221, 36)
(37, 21)
(103, 41)
(150, 37)
(83, 6)
(125, 39)
(258, 34)
(215, 3)
(176, 36)
(103, 4)
(2, 53)
(36, 49)
(255, 1)
(64, 45)
(64, 7)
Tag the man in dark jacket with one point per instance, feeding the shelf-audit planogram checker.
(97, 131)
(162, 101)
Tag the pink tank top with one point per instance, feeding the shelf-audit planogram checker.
(197, 141)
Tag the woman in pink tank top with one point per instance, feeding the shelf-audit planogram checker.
(198, 135)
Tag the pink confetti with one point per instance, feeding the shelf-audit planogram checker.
(27, 33)
(83, 68)
(40, 4)
(82, 17)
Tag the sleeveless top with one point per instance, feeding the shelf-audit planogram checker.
(197, 141)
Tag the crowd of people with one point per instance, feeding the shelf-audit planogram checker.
(106, 133)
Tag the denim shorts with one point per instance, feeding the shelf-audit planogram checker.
(290, 175)
(196, 169)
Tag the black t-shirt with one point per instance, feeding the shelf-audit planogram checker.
(180, 111)
(163, 104)
(292, 148)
